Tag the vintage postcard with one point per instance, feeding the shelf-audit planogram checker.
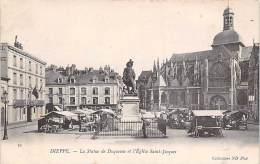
(129, 81)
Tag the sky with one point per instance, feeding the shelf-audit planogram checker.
(110, 32)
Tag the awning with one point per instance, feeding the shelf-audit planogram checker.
(236, 111)
(62, 114)
(207, 112)
(148, 115)
(57, 108)
(109, 111)
(86, 112)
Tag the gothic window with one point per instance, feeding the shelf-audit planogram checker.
(242, 98)
(163, 98)
(218, 103)
(219, 70)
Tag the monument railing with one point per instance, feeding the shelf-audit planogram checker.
(144, 128)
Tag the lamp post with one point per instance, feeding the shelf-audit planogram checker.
(5, 101)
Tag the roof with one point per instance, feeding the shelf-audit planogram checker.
(52, 77)
(228, 10)
(160, 82)
(86, 112)
(246, 52)
(207, 112)
(245, 55)
(235, 111)
(84, 78)
(145, 75)
(22, 52)
(227, 37)
(191, 55)
(62, 114)
(108, 111)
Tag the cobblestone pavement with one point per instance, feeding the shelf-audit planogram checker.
(27, 143)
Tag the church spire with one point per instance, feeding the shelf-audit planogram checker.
(154, 67)
(228, 18)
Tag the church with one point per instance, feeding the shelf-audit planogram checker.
(212, 79)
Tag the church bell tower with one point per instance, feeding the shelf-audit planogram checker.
(228, 17)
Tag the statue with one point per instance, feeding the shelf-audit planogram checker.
(129, 78)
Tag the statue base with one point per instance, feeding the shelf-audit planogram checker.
(130, 111)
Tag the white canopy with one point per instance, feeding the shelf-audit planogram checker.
(87, 112)
(67, 114)
(207, 112)
(63, 113)
(109, 111)
(148, 115)
(57, 108)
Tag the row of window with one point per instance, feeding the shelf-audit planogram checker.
(22, 111)
(21, 80)
(83, 91)
(83, 100)
(29, 67)
(72, 80)
(22, 94)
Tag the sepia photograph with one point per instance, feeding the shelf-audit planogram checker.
(129, 81)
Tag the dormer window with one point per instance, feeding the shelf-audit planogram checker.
(59, 80)
(106, 79)
(72, 80)
(94, 79)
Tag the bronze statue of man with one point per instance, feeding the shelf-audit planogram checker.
(129, 78)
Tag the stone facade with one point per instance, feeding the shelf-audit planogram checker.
(26, 85)
(72, 89)
(212, 79)
(253, 81)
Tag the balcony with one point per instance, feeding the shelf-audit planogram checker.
(19, 103)
(23, 103)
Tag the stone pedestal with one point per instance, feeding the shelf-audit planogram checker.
(130, 110)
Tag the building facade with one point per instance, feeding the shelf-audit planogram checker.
(26, 85)
(212, 79)
(253, 81)
(72, 89)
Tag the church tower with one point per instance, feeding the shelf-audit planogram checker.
(228, 17)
